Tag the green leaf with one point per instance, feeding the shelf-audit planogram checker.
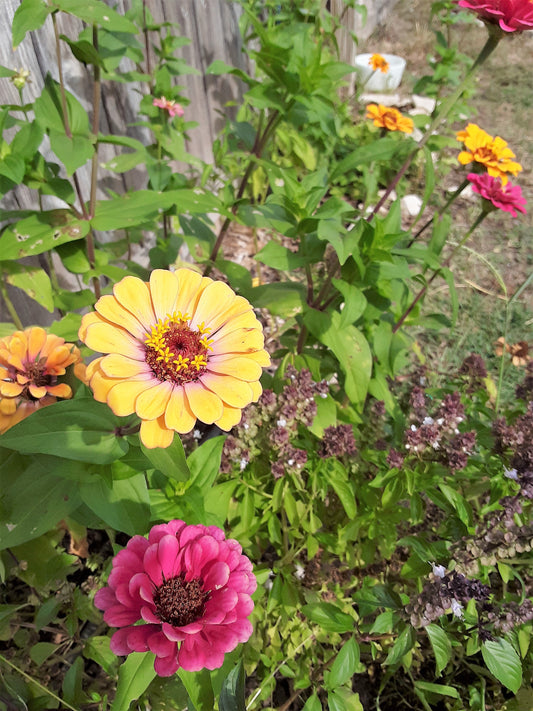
(199, 688)
(41, 651)
(442, 647)
(441, 689)
(313, 703)
(97, 648)
(382, 149)
(125, 505)
(32, 500)
(12, 167)
(169, 461)
(33, 281)
(354, 302)
(277, 256)
(503, 662)
(80, 429)
(403, 644)
(329, 617)
(350, 348)
(345, 665)
(204, 462)
(97, 12)
(232, 692)
(72, 684)
(281, 298)
(344, 700)
(41, 232)
(134, 677)
(29, 15)
(83, 51)
(336, 476)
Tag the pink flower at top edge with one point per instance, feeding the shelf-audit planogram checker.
(510, 15)
(505, 197)
(172, 107)
(190, 587)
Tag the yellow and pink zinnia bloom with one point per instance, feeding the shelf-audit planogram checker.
(493, 153)
(180, 347)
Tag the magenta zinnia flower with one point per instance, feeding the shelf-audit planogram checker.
(173, 108)
(191, 588)
(510, 15)
(504, 197)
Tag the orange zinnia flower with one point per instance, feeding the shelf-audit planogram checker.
(377, 61)
(180, 347)
(493, 153)
(389, 118)
(30, 363)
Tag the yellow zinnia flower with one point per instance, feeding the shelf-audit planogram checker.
(493, 153)
(180, 347)
(377, 61)
(389, 118)
(30, 363)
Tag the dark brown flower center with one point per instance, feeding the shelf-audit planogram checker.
(175, 352)
(180, 602)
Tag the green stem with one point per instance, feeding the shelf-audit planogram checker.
(9, 304)
(444, 109)
(441, 211)
(446, 263)
(62, 702)
(95, 127)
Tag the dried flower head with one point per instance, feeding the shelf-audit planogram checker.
(189, 588)
(31, 363)
(181, 347)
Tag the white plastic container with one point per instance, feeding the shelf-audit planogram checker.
(376, 80)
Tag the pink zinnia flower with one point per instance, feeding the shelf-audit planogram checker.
(505, 197)
(191, 588)
(510, 15)
(172, 107)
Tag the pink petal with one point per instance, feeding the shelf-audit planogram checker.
(120, 616)
(141, 586)
(191, 656)
(223, 600)
(105, 598)
(148, 615)
(174, 634)
(189, 533)
(138, 638)
(216, 576)
(164, 529)
(166, 666)
(119, 642)
(198, 554)
(168, 549)
(161, 646)
(152, 565)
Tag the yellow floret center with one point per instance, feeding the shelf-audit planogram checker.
(175, 351)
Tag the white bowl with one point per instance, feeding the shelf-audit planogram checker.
(377, 80)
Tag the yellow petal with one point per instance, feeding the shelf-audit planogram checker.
(152, 403)
(178, 415)
(164, 291)
(93, 366)
(244, 320)
(118, 366)
(61, 390)
(87, 321)
(236, 393)
(109, 308)
(101, 384)
(153, 434)
(204, 404)
(257, 390)
(230, 417)
(37, 391)
(8, 406)
(241, 367)
(10, 389)
(245, 340)
(190, 288)
(239, 308)
(122, 396)
(134, 295)
(260, 357)
(212, 306)
(105, 338)
(36, 340)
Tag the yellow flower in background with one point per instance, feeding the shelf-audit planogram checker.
(30, 363)
(389, 118)
(180, 347)
(493, 153)
(377, 61)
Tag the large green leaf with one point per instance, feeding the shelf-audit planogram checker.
(32, 500)
(170, 461)
(345, 665)
(134, 677)
(41, 232)
(329, 617)
(80, 429)
(33, 281)
(403, 644)
(29, 15)
(350, 348)
(204, 462)
(382, 149)
(96, 12)
(503, 661)
(232, 693)
(125, 505)
(442, 647)
(199, 688)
